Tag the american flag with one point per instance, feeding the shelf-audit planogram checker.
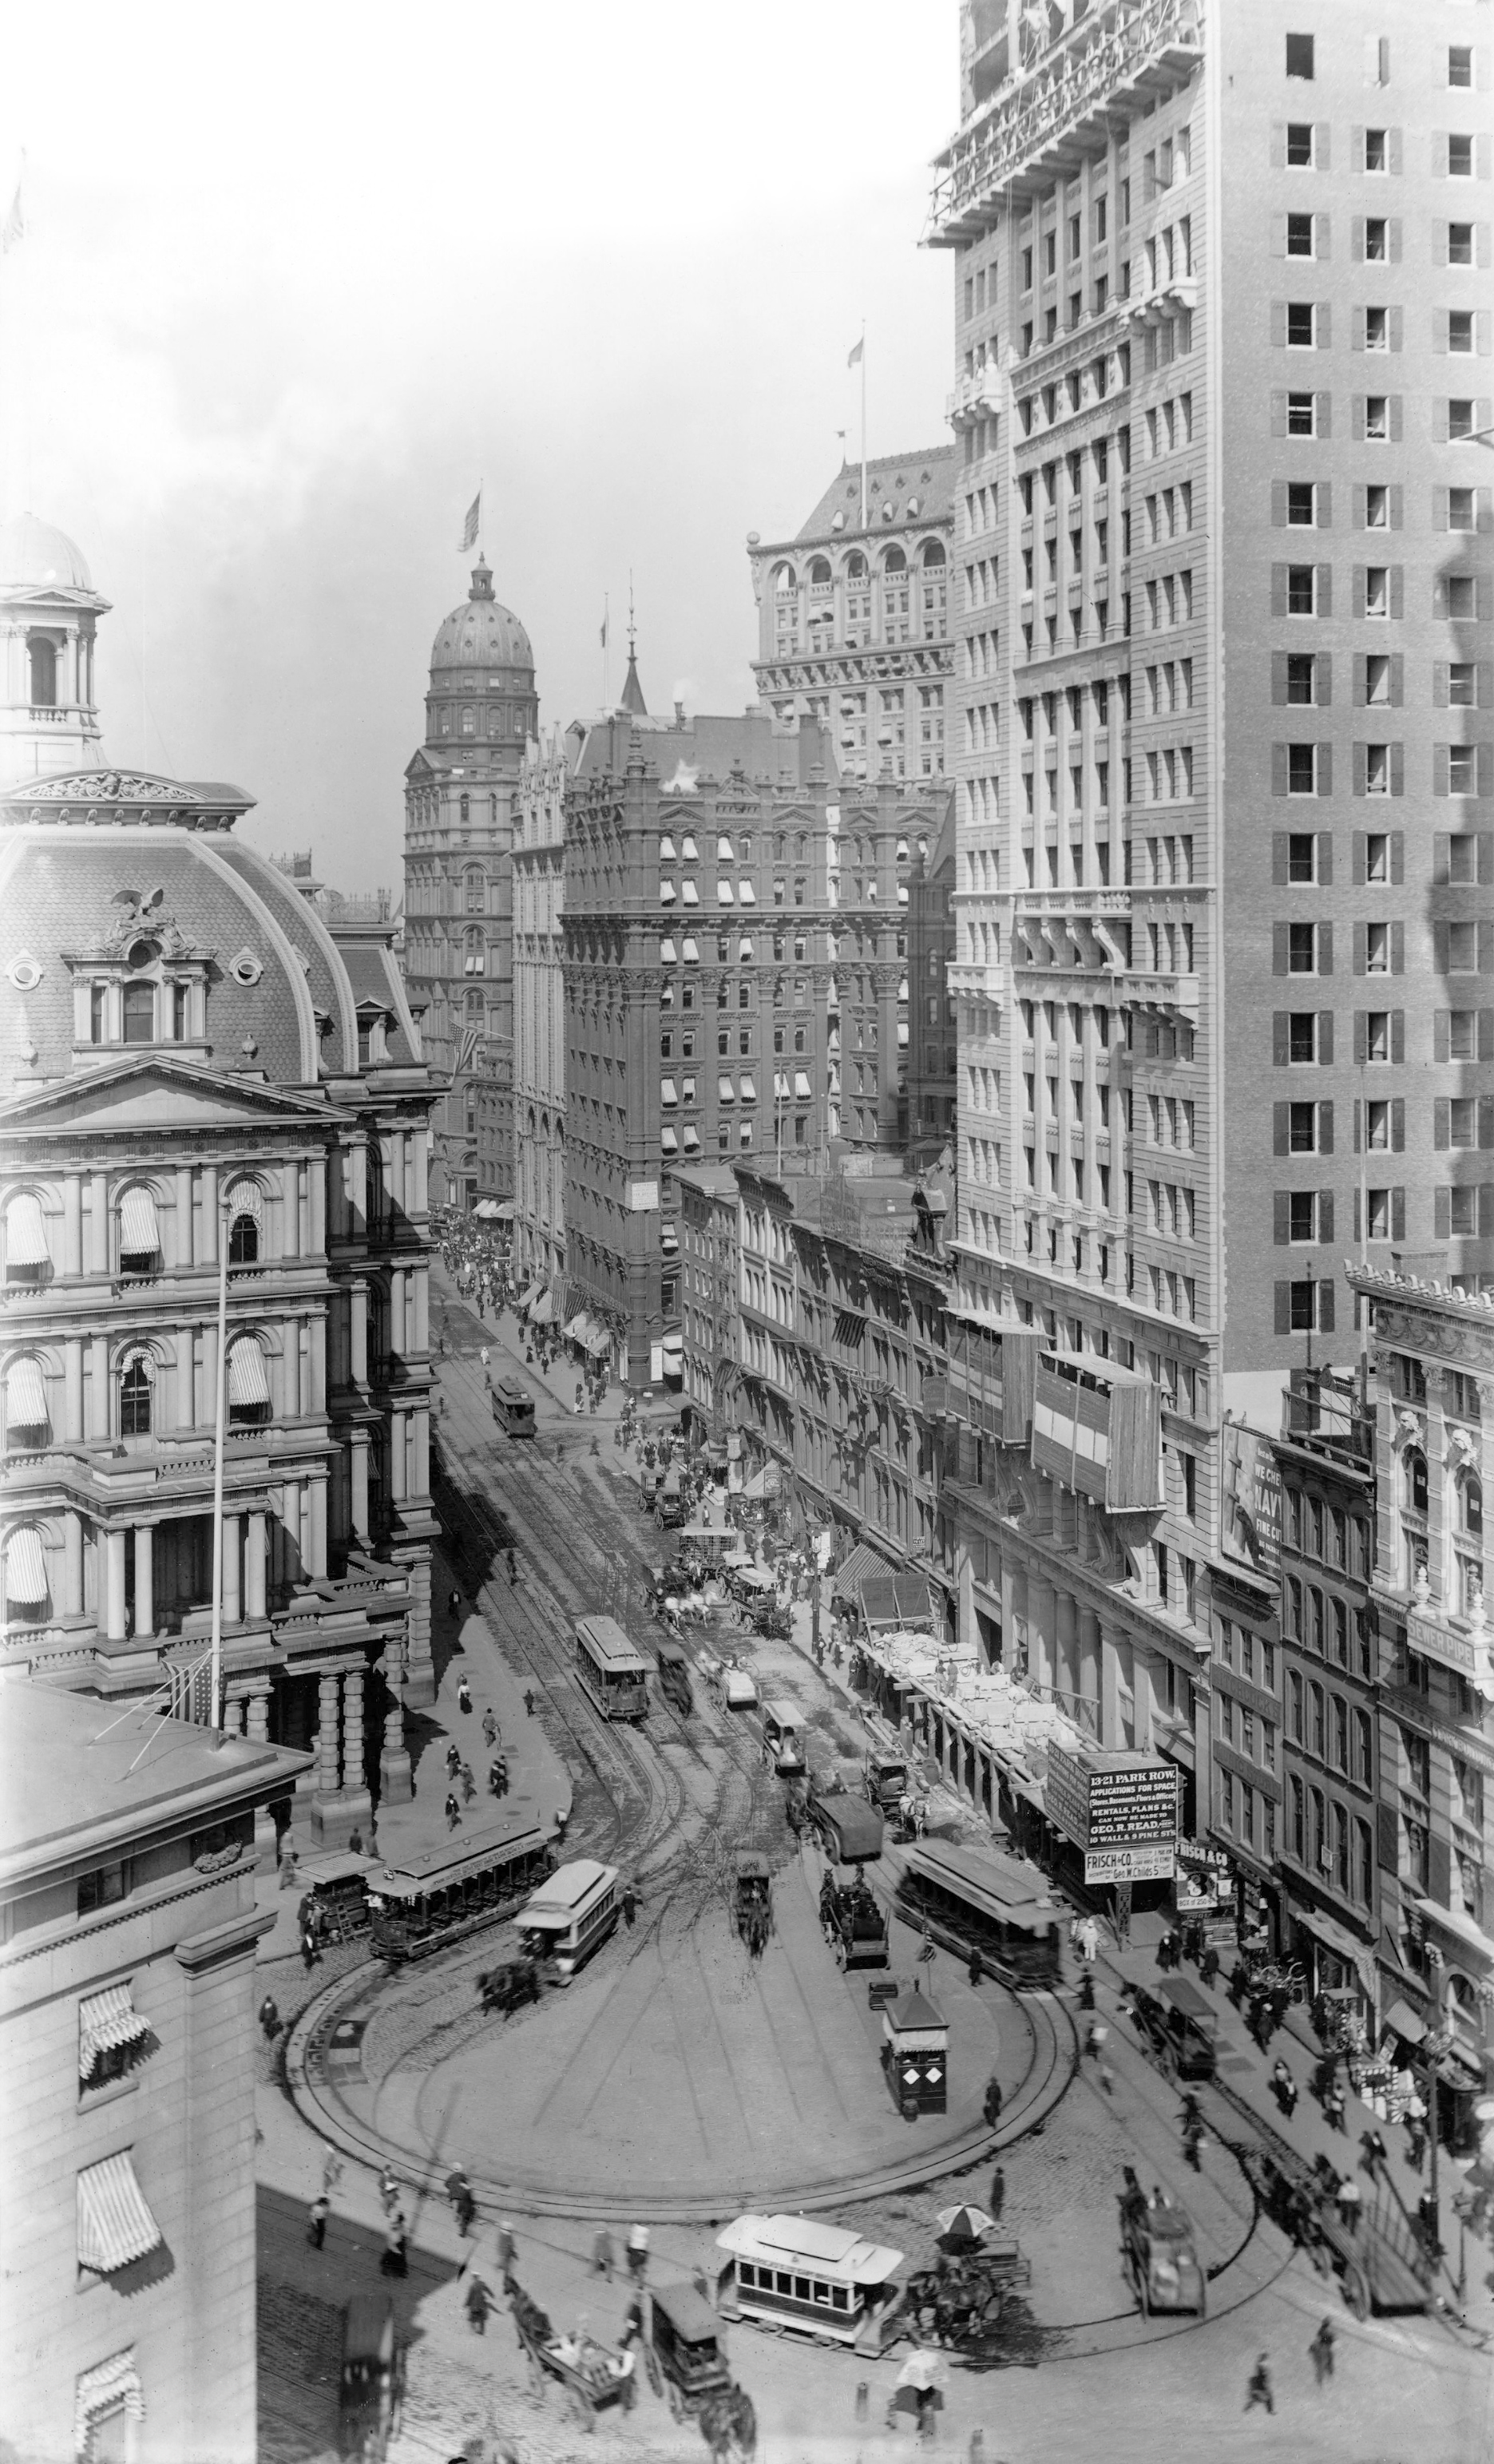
(474, 517)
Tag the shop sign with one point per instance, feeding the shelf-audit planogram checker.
(1252, 1532)
(1125, 1802)
(1440, 1642)
(1129, 1864)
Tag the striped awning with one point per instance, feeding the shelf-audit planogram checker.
(542, 1311)
(114, 2382)
(138, 1234)
(25, 1232)
(245, 1198)
(247, 1381)
(106, 2020)
(25, 1567)
(114, 2224)
(25, 1396)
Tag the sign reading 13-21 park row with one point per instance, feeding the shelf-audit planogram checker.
(1120, 1809)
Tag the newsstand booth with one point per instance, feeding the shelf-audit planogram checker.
(915, 2055)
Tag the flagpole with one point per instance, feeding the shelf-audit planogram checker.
(863, 423)
(606, 649)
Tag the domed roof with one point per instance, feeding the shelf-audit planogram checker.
(481, 633)
(35, 554)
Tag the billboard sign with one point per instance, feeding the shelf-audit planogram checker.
(1252, 1521)
(1112, 1801)
(1128, 1865)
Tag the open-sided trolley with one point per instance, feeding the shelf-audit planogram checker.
(970, 1901)
(473, 1879)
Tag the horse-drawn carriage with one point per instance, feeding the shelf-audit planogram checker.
(752, 1903)
(591, 2374)
(1160, 2258)
(961, 2302)
(508, 1988)
(686, 2351)
(854, 1924)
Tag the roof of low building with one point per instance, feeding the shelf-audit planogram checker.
(78, 1776)
(924, 480)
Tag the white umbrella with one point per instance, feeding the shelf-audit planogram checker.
(966, 2223)
(923, 2368)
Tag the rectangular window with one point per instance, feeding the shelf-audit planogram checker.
(1301, 324)
(1299, 56)
(1301, 504)
(1376, 150)
(1460, 157)
(1302, 414)
(1299, 235)
(1460, 246)
(1298, 144)
(1302, 772)
(1300, 591)
(1459, 329)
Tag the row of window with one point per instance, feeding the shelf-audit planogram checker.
(820, 575)
(1308, 504)
(1301, 59)
(1378, 680)
(1306, 769)
(1378, 593)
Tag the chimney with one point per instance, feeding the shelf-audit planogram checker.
(679, 713)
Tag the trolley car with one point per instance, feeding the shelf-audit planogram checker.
(570, 1917)
(610, 1670)
(990, 1904)
(513, 1407)
(675, 1677)
(475, 1878)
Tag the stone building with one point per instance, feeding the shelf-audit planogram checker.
(481, 712)
(706, 1198)
(127, 1934)
(736, 979)
(853, 616)
(1432, 1398)
(931, 1058)
(199, 1073)
(1168, 241)
(538, 863)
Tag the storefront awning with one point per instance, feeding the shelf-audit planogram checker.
(114, 2224)
(1462, 1928)
(138, 1234)
(1402, 2021)
(25, 1396)
(1338, 1938)
(25, 1568)
(579, 1328)
(861, 1562)
(541, 1310)
(106, 2020)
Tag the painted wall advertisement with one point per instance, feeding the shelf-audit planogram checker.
(1121, 1810)
(1252, 1500)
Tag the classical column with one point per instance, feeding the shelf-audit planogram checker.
(420, 1451)
(99, 1387)
(73, 1390)
(420, 1295)
(358, 1458)
(398, 1484)
(1141, 1661)
(114, 1583)
(259, 1715)
(317, 1538)
(73, 1225)
(99, 1225)
(397, 1283)
(1089, 1656)
(71, 1562)
(358, 1330)
(1066, 1648)
(145, 1579)
(233, 1716)
(1112, 1687)
(327, 1734)
(1041, 1612)
(353, 1727)
(233, 1610)
(255, 1550)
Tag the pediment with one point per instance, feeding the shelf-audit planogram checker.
(155, 1094)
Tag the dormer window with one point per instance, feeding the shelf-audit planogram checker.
(42, 659)
(137, 1008)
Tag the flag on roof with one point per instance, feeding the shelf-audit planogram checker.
(603, 632)
(470, 526)
(854, 361)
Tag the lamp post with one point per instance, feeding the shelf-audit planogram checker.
(1434, 2045)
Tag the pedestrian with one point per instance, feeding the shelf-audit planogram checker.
(1375, 2153)
(1089, 1941)
(309, 1952)
(489, 1730)
(976, 1970)
(453, 1759)
(991, 2107)
(478, 2300)
(1321, 2351)
(1283, 2087)
(997, 2198)
(513, 1568)
(602, 2254)
(389, 2192)
(331, 2171)
(1415, 2141)
(529, 1701)
(317, 2220)
(454, 1812)
(637, 2252)
(270, 2018)
(495, 1777)
(469, 1784)
(629, 1908)
(287, 1867)
(1259, 2390)
(1350, 2200)
(395, 2258)
(1094, 2037)
(464, 1695)
(1209, 1964)
(1428, 2224)
(355, 1841)
(508, 2248)
(562, 1820)
(454, 1602)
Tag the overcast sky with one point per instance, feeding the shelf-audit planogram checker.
(296, 279)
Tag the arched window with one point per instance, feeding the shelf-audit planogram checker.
(894, 560)
(243, 1241)
(473, 1006)
(933, 552)
(42, 656)
(135, 1398)
(819, 569)
(855, 566)
(468, 724)
(27, 1419)
(465, 807)
(249, 1387)
(783, 578)
(1470, 1504)
(1415, 1481)
(476, 890)
(474, 955)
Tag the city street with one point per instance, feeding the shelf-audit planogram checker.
(676, 2081)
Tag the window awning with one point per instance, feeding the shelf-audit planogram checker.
(723, 893)
(245, 1198)
(106, 2020)
(748, 1087)
(692, 1138)
(665, 893)
(1463, 1928)
(744, 950)
(691, 894)
(691, 952)
(666, 953)
(1402, 2021)
(801, 1087)
(247, 1381)
(26, 1232)
(1344, 1944)
(689, 849)
(726, 1090)
(746, 896)
(579, 1328)
(667, 1091)
(139, 1235)
(25, 1396)
(543, 1310)
(666, 849)
(26, 1567)
(114, 2224)
(723, 851)
(669, 1141)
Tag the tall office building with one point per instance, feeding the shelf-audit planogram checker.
(540, 1004)
(481, 712)
(853, 614)
(1223, 774)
